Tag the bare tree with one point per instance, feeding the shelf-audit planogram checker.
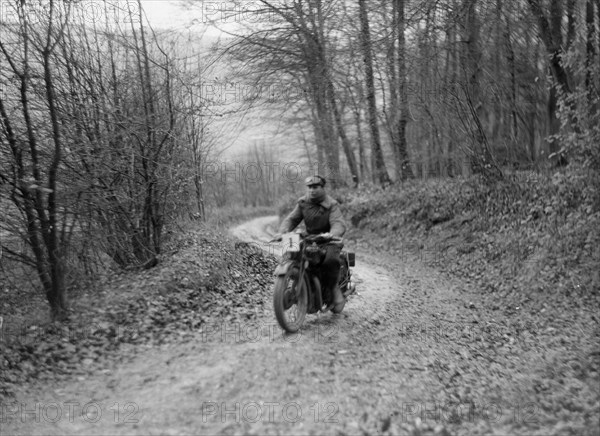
(34, 166)
(88, 141)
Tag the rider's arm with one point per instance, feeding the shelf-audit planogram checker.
(292, 220)
(336, 221)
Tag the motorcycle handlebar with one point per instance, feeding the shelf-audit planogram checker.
(322, 237)
(319, 238)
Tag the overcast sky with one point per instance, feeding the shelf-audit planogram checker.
(195, 15)
(166, 14)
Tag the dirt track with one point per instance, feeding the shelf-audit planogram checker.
(402, 359)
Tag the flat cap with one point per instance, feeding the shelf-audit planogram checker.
(315, 180)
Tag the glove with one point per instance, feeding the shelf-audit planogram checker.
(326, 235)
(277, 237)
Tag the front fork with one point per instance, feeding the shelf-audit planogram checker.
(311, 282)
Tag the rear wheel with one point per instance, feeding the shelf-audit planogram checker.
(290, 301)
(344, 276)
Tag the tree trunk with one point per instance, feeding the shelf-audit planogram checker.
(482, 160)
(550, 31)
(344, 138)
(55, 245)
(590, 52)
(379, 169)
(403, 160)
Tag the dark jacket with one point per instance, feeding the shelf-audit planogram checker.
(320, 217)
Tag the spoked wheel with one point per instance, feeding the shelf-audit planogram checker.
(290, 301)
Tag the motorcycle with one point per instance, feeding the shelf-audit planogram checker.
(297, 289)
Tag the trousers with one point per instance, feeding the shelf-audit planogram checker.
(330, 267)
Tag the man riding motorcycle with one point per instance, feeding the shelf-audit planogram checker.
(321, 215)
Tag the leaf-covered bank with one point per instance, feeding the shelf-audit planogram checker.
(527, 251)
(205, 277)
(529, 235)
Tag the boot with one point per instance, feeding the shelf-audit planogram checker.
(338, 300)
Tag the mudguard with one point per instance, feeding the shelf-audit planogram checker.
(283, 268)
(317, 302)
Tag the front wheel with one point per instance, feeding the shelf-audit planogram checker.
(290, 301)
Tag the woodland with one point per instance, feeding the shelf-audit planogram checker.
(458, 136)
(476, 118)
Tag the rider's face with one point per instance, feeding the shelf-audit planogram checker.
(315, 190)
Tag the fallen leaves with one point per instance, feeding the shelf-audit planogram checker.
(526, 252)
(208, 279)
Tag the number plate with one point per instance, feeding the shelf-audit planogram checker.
(291, 242)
